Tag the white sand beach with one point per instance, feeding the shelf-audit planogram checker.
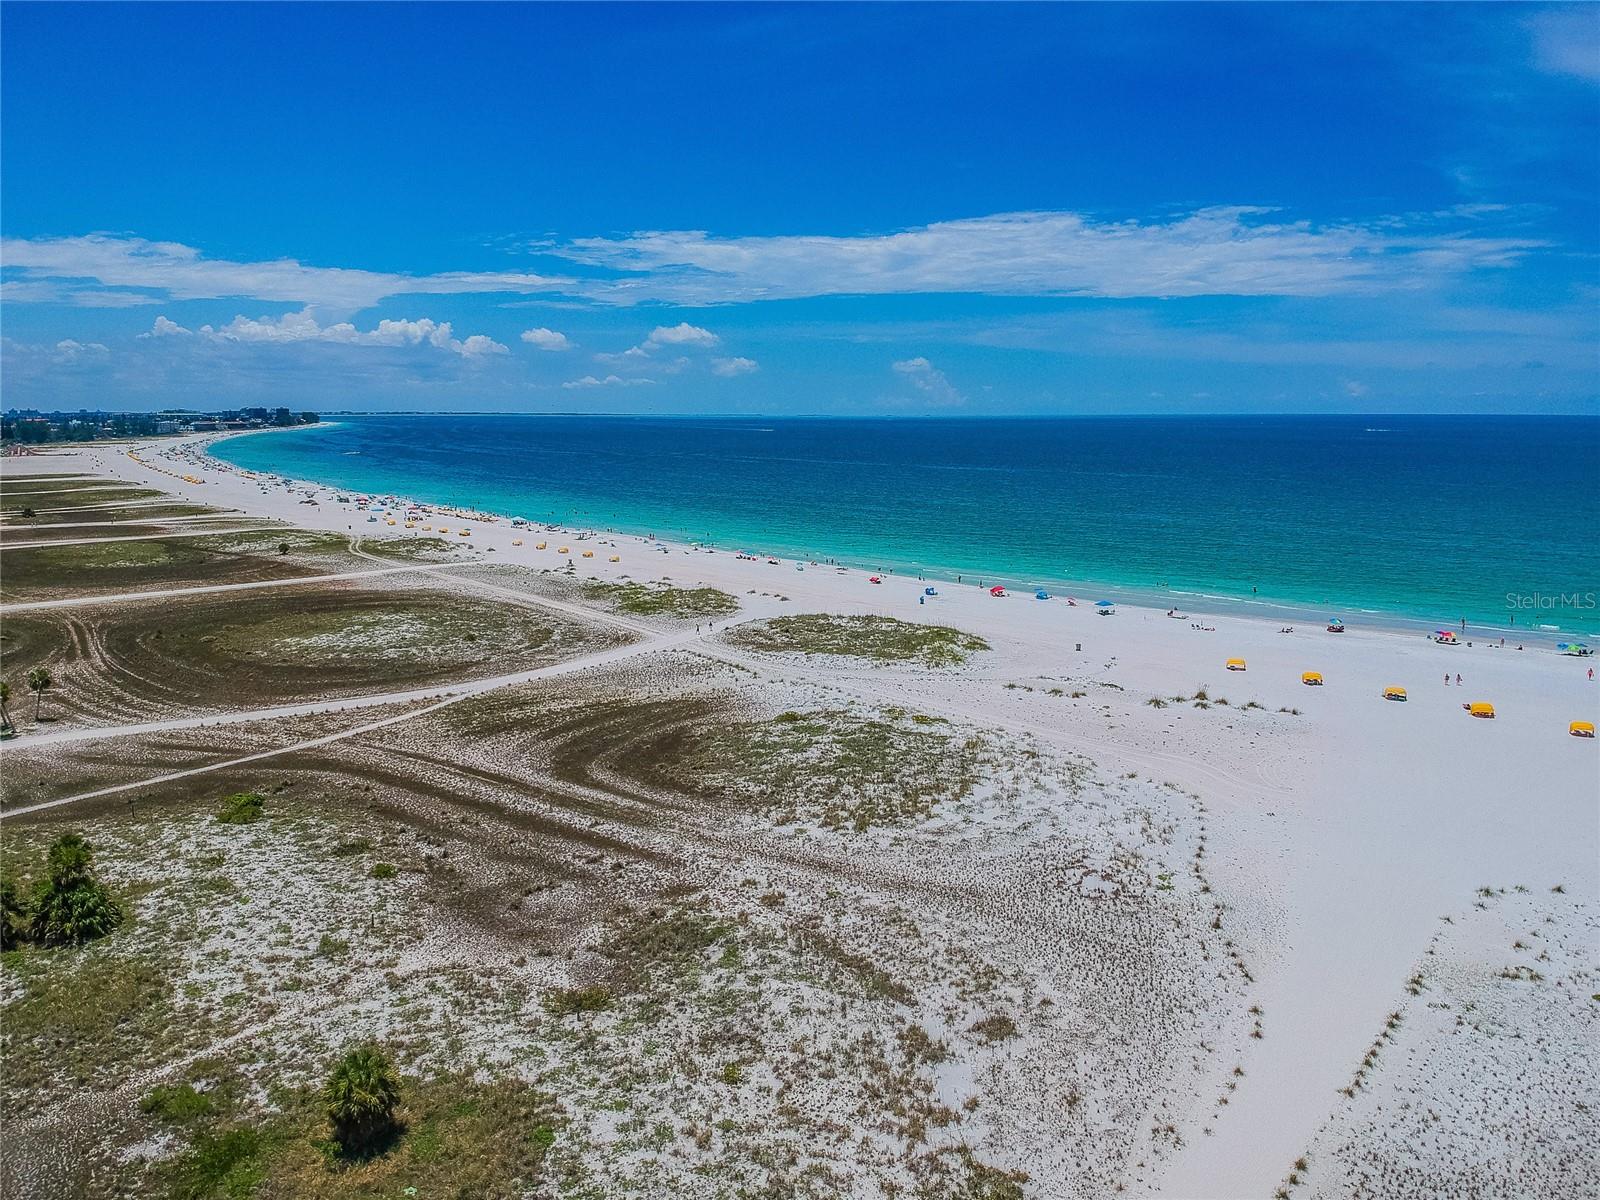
(1338, 835)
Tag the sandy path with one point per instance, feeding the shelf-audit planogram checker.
(210, 588)
(157, 500)
(7, 526)
(142, 537)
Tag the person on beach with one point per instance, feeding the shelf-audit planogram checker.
(1458, 680)
(1447, 679)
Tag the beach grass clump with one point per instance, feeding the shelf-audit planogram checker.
(242, 808)
(565, 1002)
(833, 767)
(662, 600)
(882, 639)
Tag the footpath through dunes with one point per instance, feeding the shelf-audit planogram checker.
(85, 515)
(628, 884)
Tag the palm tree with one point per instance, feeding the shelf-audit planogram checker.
(361, 1097)
(71, 906)
(39, 682)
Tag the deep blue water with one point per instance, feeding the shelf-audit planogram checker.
(1428, 517)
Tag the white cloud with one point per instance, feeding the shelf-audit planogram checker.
(589, 381)
(729, 367)
(303, 327)
(165, 328)
(683, 334)
(546, 339)
(1355, 389)
(68, 350)
(928, 380)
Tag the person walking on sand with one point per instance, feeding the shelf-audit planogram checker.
(1458, 679)
(1447, 679)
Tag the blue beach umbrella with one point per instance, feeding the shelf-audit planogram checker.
(1104, 604)
(1041, 594)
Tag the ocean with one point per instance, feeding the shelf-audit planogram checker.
(1421, 518)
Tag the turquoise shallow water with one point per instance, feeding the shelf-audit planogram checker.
(1491, 519)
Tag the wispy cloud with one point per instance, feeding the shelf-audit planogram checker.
(546, 339)
(78, 269)
(1566, 41)
(1216, 251)
(1239, 250)
(929, 380)
(729, 367)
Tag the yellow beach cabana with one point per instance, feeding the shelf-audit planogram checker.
(1311, 678)
(1479, 708)
(563, 549)
(516, 541)
(541, 546)
(1235, 664)
(1581, 729)
(588, 553)
(1394, 692)
(615, 558)
(465, 533)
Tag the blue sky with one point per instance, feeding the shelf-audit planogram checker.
(946, 209)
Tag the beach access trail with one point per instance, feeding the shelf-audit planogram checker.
(1342, 828)
(160, 535)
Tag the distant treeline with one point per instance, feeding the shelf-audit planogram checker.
(29, 426)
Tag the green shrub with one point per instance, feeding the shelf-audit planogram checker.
(242, 808)
(176, 1103)
(70, 906)
(384, 871)
(219, 1164)
(13, 915)
(361, 1097)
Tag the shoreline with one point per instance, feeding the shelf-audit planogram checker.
(1266, 609)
